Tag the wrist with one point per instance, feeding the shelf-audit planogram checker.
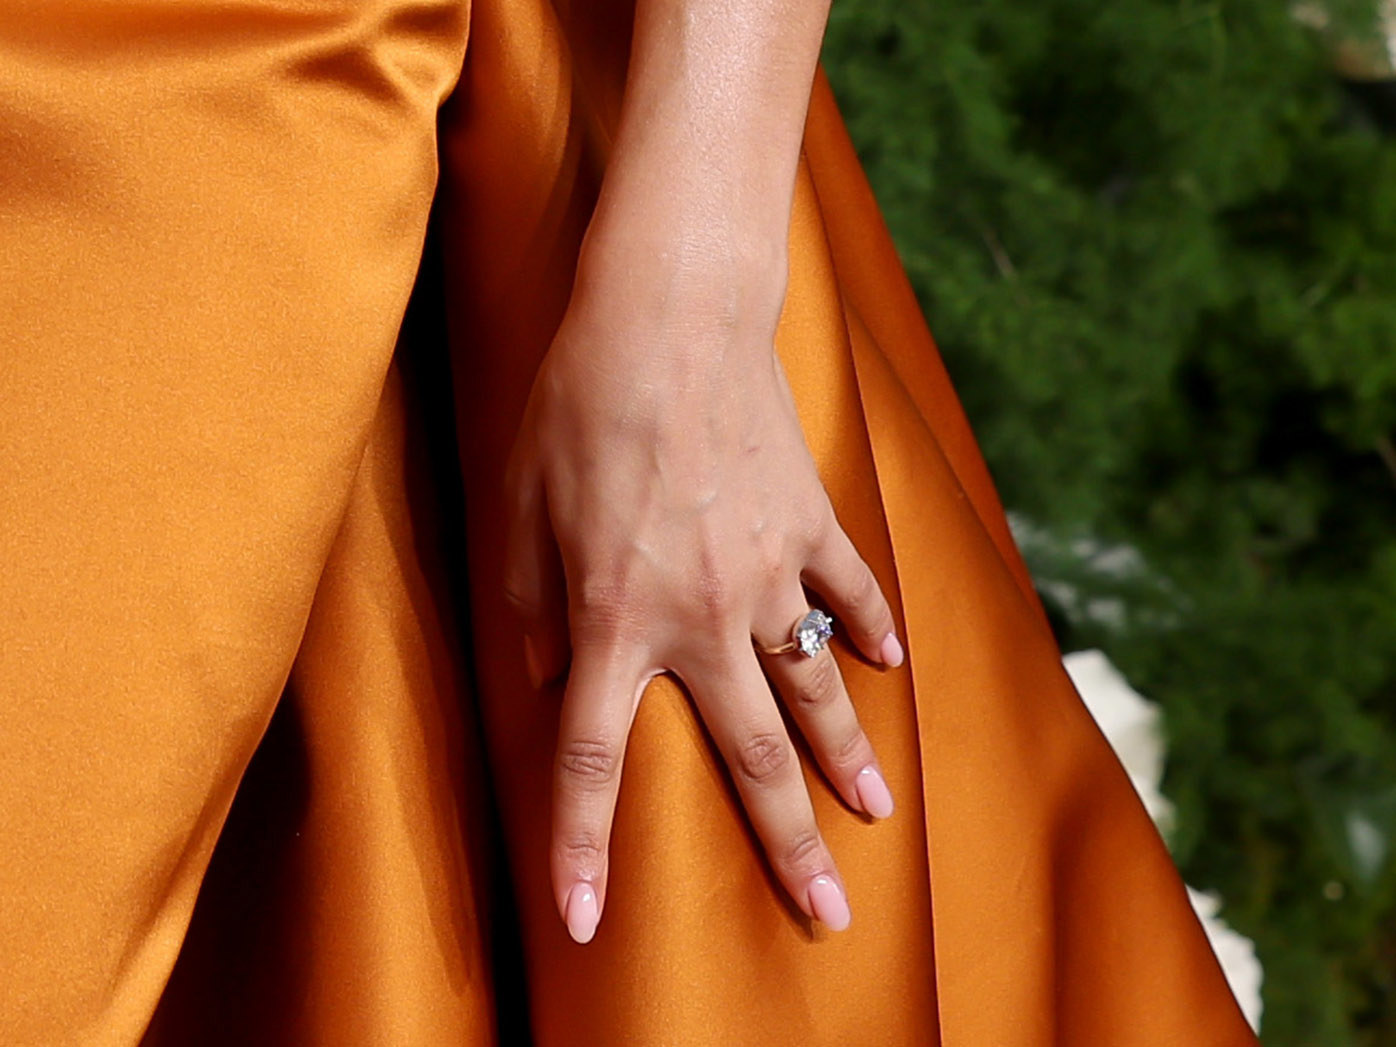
(684, 264)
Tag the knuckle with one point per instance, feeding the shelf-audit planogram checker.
(822, 683)
(852, 749)
(714, 590)
(862, 591)
(581, 850)
(588, 765)
(601, 597)
(820, 526)
(864, 601)
(604, 611)
(770, 556)
(825, 528)
(802, 850)
(771, 569)
(720, 582)
(762, 757)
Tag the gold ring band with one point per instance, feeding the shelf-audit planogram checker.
(809, 636)
(784, 648)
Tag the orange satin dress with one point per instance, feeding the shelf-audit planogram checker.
(271, 772)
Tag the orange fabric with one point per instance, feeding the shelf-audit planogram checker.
(251, 540)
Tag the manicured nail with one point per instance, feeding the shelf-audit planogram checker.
(535, 671)
(892, 653)
(873, 793)
(582, 913)
(829, 905)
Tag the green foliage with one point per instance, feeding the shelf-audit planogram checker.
(1157, 243)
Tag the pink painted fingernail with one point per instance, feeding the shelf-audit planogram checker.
(829, 905)
(535, 671)
(892, 653)
(873, 793)
(582, 912)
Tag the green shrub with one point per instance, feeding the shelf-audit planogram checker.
(1157, 243)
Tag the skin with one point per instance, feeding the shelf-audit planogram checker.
(666, 511)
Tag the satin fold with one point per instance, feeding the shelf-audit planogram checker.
(253, 641)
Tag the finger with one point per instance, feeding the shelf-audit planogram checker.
(603, 688)
(838, 573)
(534, 584)
(746, 725)
(814, 692)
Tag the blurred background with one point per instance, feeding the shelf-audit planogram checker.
(1157, 244)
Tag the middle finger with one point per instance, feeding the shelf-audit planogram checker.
(741, 714)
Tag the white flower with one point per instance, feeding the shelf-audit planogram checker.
(1132, 724)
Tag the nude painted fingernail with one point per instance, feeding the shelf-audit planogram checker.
(873, 793)
(829, 905)
(582, 912)
(535, 671)
(892, 653)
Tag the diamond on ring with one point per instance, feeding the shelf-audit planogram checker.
(810, 635)
(813, 632)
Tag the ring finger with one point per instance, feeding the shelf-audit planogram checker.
(814, 692)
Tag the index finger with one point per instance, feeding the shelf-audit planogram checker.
(598, 706)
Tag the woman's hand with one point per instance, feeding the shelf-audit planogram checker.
(666, 512)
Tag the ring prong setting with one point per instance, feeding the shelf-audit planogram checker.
(813, 632)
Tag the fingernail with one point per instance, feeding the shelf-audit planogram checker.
(829, 905)
(582, 913)
(535, 671)
(873, 793)
(892, 653)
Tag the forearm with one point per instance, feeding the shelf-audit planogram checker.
(703, 167)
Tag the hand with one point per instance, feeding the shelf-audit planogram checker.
(664, 496)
